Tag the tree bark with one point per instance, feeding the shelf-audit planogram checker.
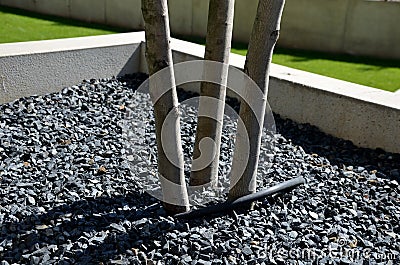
(263, 38)
(212, 96)
(170, 155)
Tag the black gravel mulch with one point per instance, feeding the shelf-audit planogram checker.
(69, 194)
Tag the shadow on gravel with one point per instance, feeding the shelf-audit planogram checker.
(340, 152)
(99, 226)
(95, 231)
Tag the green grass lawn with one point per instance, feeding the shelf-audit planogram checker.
(382, 74)
(18, 25)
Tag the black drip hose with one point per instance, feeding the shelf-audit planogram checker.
(231, 205)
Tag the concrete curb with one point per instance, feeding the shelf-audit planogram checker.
(40, 67)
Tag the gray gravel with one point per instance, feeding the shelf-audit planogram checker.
(69, 194)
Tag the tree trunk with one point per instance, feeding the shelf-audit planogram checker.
(212, 96)
(170, 155)
(263, 38)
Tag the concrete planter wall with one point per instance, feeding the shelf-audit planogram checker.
(39, 67)
(357, 27)
(369, 117)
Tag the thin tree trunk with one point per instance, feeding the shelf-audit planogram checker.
(263, 38)
(212, 100)
(170, 155)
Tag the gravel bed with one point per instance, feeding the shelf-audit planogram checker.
(71, 192)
